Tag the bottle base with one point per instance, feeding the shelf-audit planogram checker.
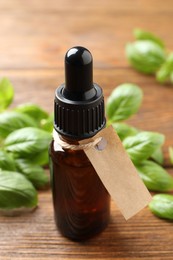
(82, 236)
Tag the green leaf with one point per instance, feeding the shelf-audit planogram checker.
(124, 130)
(145, 56)
(157, 156)
(171, 154)
(144, 35)
(27, 141)
(141, 146)
(6, 93)
(164, 73)
(162, 206)
(41, 158)
(33, 111)
(47, 124)
(34, 173)
(16, 191)
(123, 102)
(6, 161)
(155, 177)
(10, 121)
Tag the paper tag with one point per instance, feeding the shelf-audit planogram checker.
(118, 174)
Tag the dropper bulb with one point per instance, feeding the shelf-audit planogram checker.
(78, 73)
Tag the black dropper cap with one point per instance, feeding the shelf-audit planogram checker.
(79, 103)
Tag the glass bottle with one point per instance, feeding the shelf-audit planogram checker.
(81, 202)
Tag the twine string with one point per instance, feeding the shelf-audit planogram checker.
(75, 147)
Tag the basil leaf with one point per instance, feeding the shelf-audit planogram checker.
(155, 177)
(171, 154)
(41, 158)
(123, 102)
(33, 111)
(145, 56)
(7, 161)
(162, 206)
(157, 156)
(144, 35)
(27, 141)
(6, 93)
(143, 145)
(47, 124)
(34, 173)
(16, 191)
(124, 130)
(10, 121)
(164, 73)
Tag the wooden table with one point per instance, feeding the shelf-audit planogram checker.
(34, 36)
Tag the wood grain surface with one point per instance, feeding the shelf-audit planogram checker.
(34, 36)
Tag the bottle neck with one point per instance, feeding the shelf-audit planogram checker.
(68, 139)
(78, 155)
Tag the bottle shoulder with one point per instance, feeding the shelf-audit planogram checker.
(67, 156)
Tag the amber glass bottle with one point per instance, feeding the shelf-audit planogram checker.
(81, 202)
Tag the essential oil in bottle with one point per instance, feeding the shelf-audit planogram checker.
(81, 202)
